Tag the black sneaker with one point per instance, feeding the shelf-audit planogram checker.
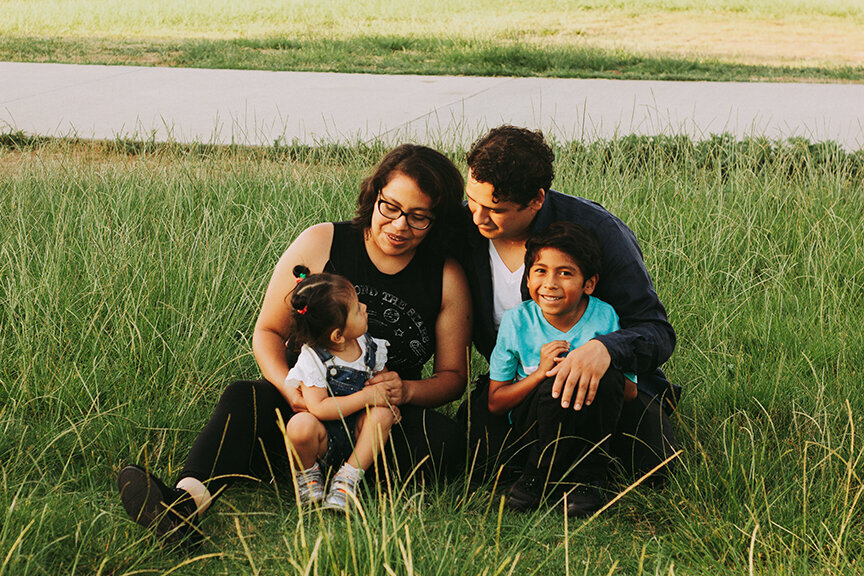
(583, 500)
(169, 512)
(527, 493)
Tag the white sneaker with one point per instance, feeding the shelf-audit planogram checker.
(310, 485)
(343, 491)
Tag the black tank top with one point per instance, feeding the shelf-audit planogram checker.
(402, 307)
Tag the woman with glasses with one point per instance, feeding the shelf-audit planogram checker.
(394, 252)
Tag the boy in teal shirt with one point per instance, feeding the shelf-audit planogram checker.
(565, 448)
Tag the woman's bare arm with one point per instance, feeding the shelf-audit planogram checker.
(312, 249)
(453, 338)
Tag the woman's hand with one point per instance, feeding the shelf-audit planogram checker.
(391, 386)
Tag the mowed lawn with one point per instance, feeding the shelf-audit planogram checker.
(816, 40)
(131, 275)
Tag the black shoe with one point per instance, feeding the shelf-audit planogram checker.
(584, 500)
(169, 512)
(527, 493)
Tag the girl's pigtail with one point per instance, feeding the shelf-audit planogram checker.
(301, 272)
(298, 303)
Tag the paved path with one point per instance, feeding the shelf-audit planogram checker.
(255, 107)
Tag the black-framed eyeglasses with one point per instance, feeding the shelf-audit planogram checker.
(393, 212)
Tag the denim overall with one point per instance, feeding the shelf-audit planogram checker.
(344, 381)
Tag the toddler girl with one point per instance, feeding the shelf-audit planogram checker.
(347, 420)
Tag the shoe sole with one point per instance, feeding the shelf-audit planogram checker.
(581, 512)
(350, 499)
(521, 500)
(145, 504)
(582, 507)
(141, 497)
(521, 505)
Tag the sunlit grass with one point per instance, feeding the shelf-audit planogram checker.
(602, 38)
(342, 18)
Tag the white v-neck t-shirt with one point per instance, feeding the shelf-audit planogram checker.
(506, 285)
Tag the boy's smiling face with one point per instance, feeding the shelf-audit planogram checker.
(557, 285)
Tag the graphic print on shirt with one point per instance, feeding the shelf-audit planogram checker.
(393, 319)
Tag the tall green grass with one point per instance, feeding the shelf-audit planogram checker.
(131, 274)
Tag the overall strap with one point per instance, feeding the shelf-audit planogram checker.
(324, 355)
(371, 350)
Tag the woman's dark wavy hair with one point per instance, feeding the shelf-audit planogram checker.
(575, 240)
(516, 161)
(436, 176)
(319, 304)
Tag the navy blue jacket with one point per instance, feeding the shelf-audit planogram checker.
(646, 339)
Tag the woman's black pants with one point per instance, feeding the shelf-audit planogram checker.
(243, 439)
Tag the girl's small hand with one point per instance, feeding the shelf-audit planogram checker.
(551, 352)
(296, 400)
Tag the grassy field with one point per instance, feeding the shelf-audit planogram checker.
(131, 274)
(662, 39)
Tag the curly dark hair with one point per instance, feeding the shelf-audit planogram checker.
(434, 174)
(320, 303)
(516, 161)
(573, 239)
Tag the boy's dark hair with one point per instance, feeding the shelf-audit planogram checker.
(576, 241)
(516, 161)
(434, 174)
(319, 305)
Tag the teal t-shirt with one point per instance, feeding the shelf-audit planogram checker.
(524, 331)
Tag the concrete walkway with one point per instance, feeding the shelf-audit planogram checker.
(254, 107)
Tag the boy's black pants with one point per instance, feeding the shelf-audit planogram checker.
(565, 443)
(642, 434)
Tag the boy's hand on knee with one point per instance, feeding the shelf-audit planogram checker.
(580, 373)
(551, 353)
